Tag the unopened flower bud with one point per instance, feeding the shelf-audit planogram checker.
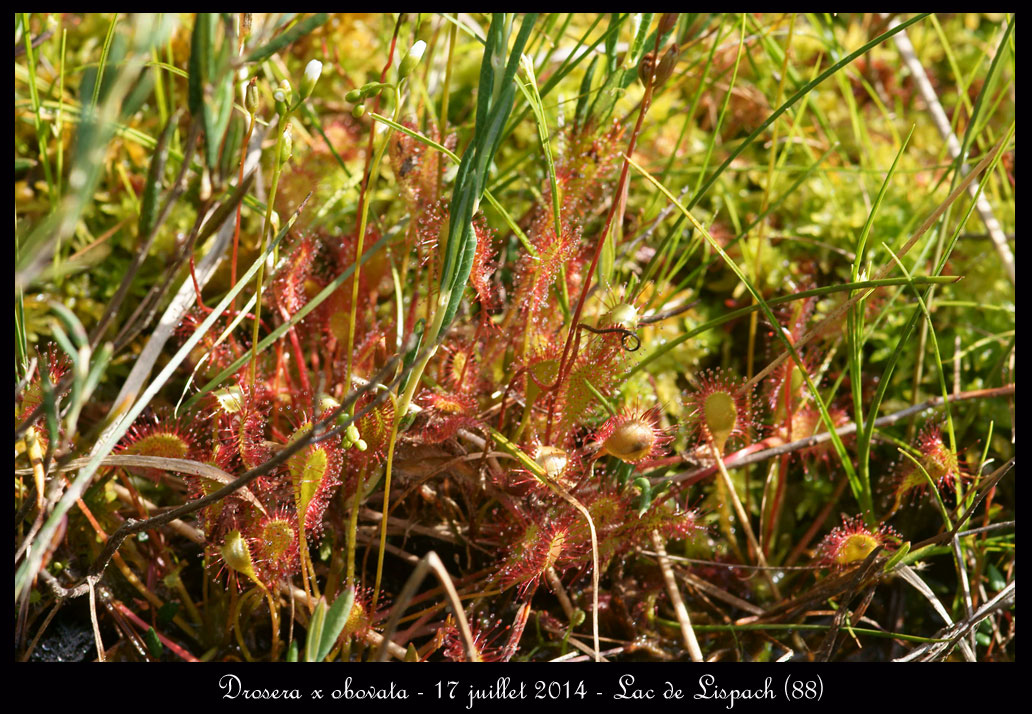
(283, 96)
(553, 460)
(666, 65)
(646, 68)
(352, 434)
(358, 111)
(251, 96)
(354, 96)
(237, 554)
(288, 144)
(408, 64)
(667, 22)
(312, 72)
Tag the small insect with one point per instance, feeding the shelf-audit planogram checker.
(407, 165)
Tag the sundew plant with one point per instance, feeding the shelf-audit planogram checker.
(518, 337)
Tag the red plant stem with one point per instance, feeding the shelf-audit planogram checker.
(281, 369)
(299, 355)
(564, 364)
(179, 651)
(362, 198)
(197, 286)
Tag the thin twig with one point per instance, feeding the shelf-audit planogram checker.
(689, 477)
(942, 123)
(430, 561)
(691, 642)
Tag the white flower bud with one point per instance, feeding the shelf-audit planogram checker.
(312, 72)
(408, 64)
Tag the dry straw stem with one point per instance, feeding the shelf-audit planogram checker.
(951, 636)
(687, 633)
(430, 561)
(942, 123)
(743, 518)
(163, 463)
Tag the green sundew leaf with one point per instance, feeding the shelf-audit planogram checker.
(101, 357)
(97, 80)
(154, 645)
(292, 651)
(336, 618)
(167, 612)
(585, 382)
(897, 557)
(607, 259)
(315, 631)
(644, 500)
(297, 31)
(307, 468)
(149, 204)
